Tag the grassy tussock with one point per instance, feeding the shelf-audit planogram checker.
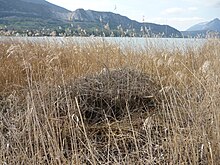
(58, 105)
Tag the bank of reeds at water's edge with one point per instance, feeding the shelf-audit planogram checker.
(97, 103)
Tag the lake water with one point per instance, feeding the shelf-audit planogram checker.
(134, 43)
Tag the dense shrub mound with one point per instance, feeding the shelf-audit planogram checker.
(111, 93)
(110, 101)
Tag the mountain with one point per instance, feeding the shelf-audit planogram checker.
(203, 29)
(32, 8)
(213, 25)
(111, 20)
(39, 14)
(31, 14)
(197, 27)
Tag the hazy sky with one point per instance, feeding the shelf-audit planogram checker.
(180, 14)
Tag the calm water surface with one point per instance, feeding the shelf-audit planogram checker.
(134, 43)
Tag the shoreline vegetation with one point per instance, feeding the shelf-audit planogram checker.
(97, 103)
(80, 32)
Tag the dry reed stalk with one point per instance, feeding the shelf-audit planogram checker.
(173, 119)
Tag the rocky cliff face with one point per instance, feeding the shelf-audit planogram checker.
(116, 21)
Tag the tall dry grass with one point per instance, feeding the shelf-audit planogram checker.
(43, 120)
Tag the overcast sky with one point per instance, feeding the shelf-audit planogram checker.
(180, 14)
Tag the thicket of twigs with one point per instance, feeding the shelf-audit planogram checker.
(74, 103)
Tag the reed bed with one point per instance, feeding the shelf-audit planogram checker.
(99, 103)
